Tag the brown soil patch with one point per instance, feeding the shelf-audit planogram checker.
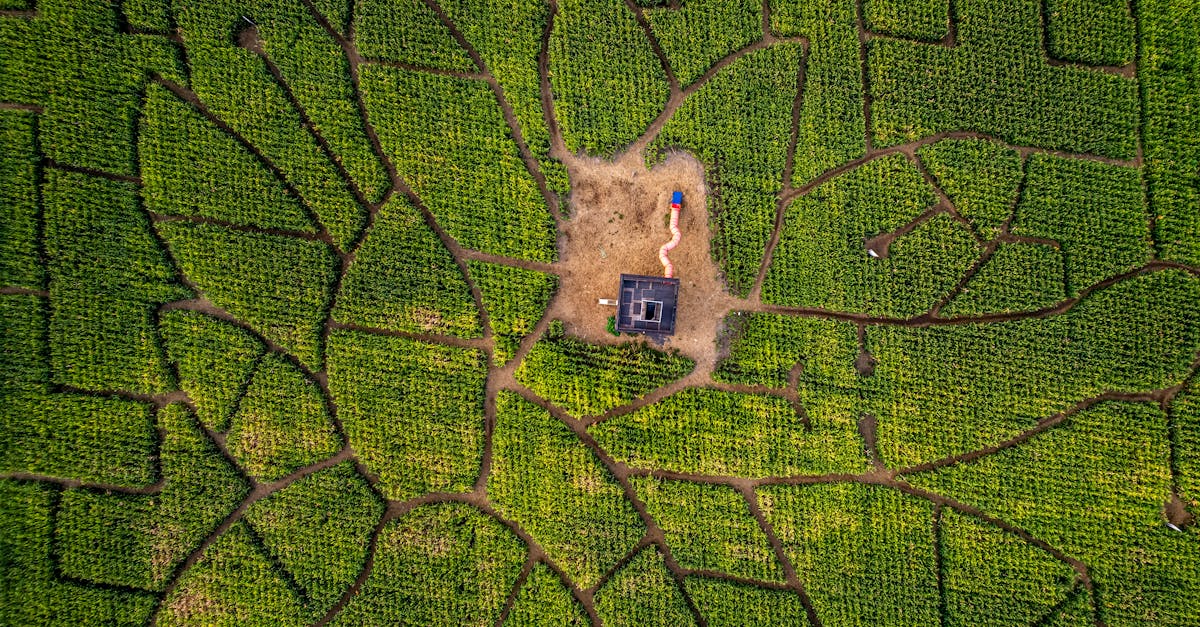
(618, 220)
(1177, 512)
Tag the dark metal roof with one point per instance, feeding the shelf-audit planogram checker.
(647, 304)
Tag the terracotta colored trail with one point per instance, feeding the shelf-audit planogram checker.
(668, 268)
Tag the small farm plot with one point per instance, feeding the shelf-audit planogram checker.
(303, 312)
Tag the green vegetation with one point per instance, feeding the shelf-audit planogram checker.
(709, 527)
(993, 577)
(515, 299)
(107, 275)
(279, 286)
(436, 565)
(587, 379)
(603, 104)
(988, 382)
(643, 593)
(409, 32)
(724, 433)
(923, 20)
(318, 528)
(403, 279)
(1096, 33)
(447, 138)
(544, 602)
(700, 32)
(19, 212)
(235, 583)
(413, 411)
(558, 491)
(996, 80)
(1170, 89)
(980, 177)
(728, 604)
(214, 360)
(864, 554)
(138, 540)
(822, 261)
(281, 424)
(1017, 277)
(33, 592)
(282, 340)
(190, 167)
(1096, 212)
(1104, 464)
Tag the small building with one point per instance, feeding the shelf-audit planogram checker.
(647, 305)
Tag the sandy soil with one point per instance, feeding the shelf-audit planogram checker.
(618, 220)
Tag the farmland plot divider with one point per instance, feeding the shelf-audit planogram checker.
(640, 16)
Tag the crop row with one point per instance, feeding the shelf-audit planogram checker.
(693, 37)
(515, 299)
(923, 20)
(19, 246)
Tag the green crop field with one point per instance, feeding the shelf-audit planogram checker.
(297, 323)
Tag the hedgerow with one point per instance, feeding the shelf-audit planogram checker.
(996, 80)
(404, 279)
(20, 257)
(33, 592)
(1108, 469)
(709, 527)
(237, 87)
(743, 150)
(1170, 87)
(413, 411)
(281, 424)
(922, 20)
(107, 276)
(139, 540)
(436, 565)
(822, 260)
(864, 554)
(214, 360)
(318, 528)
(980, 177)
(235, 582)
(988, 382)
(407, 31)
(190, 167)
(1017, 277)
(608, 86)
(831, 129)
(515, 299)
(544, 602)
(548, 482)
(588, 379)
(279, 286)
(643, 593)
(732, 604)
(1096, 33)
(446, 136)
(993, 577)
(724, 433)
(699, 33)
